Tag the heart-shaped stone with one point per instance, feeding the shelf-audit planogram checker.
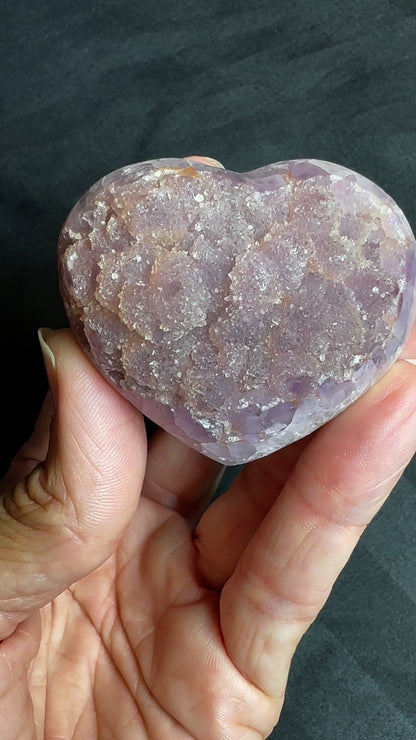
(238, 311)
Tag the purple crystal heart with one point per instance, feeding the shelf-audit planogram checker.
(238, 311)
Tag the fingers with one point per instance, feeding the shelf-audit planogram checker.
(227, 526)
(35, 449)
(64, 518)
(286, 572)
(179, 477)
(16, 654)
(206, 160)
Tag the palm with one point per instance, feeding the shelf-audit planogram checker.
(163, 618)
(140, 649)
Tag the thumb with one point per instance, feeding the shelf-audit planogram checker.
(64, 518)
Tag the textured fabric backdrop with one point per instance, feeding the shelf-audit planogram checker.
(90, 86)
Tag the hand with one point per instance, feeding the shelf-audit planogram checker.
(120, 617)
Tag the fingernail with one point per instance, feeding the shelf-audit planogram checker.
(412, 362)
(49, 359)
(206, 160)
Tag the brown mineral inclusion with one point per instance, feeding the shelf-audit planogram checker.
(238, 311)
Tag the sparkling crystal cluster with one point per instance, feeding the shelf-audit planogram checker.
(238, 311)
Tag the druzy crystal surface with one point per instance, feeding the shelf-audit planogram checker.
(238, 311)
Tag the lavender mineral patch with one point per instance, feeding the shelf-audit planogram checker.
(238, 311)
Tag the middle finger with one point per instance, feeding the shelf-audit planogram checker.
(178, 477)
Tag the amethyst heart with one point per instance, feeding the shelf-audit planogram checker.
(238, 311)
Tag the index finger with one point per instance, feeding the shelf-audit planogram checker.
(286, 572)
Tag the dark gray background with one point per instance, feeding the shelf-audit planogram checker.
(90, 86)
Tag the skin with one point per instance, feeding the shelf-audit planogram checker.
(128, 609)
